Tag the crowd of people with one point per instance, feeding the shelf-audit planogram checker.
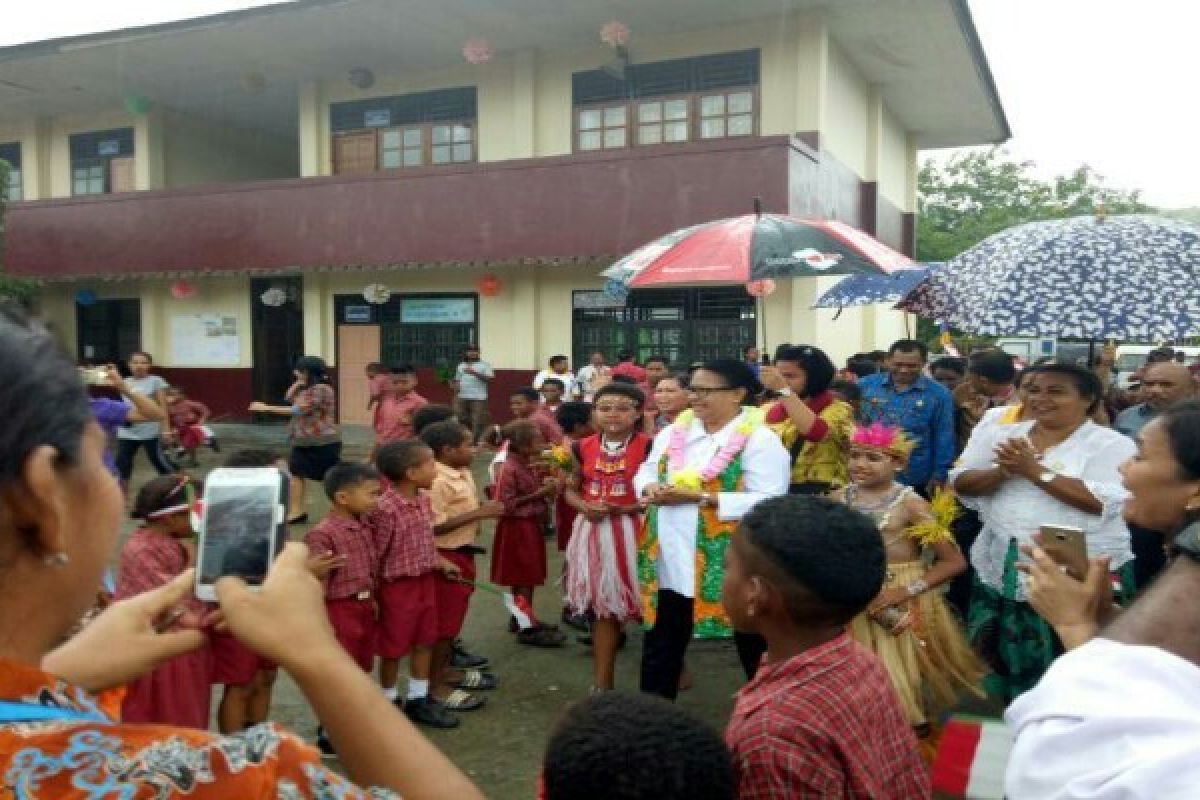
(872, 538)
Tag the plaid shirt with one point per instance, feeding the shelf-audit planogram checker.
(825, 724)
(349, 537)
(403, 531)
(394, 422)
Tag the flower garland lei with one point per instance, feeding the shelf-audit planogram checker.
(693, 480)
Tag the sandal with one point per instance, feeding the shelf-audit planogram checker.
(476, 680)
(541, 637)
(458, 700)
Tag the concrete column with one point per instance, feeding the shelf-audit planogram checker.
(874, 134)
(524, 104)
(148, 147)
(318, 320)
(812, 69)
(309, 131)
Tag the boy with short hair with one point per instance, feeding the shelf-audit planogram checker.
(820, 718)
(402, 526)
(394, 422)
(552, 394)
(457, 514)
(343, 545)
(379, 383)
(526, 403)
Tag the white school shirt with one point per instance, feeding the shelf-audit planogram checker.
(766, 468)
(1018, 508)
(1108, 721)
(567, 378)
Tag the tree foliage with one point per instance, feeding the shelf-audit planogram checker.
(12, 289)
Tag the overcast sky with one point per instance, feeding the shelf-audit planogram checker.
(1109, 83)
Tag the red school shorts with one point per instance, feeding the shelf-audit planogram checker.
(408, 615)
(454, 597)
(234, 664)
(354, 626)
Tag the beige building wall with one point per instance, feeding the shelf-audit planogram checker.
(846, 122)
(197, 151)
(894, 162)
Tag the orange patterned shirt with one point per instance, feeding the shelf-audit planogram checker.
(69, 759)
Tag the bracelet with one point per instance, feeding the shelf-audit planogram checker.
(917, 587)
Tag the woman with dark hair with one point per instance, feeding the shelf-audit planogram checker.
(811, 421)
(312, 430)
(60, 733)
(1055, 467)
(148, 434)
(705, 471)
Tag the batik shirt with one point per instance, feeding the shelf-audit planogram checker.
(101, 759)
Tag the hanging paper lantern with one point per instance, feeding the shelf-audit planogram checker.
(361, 78)
(616, 289)
(614, 34)
(274, 297)
(489, 286)
(478, 51)
(253, 82)
(183, 290)
(137, 104)
(85, 298)
(377, 294)
(760, 288)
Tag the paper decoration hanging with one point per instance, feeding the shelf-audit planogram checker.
(377, 294)
(761, 288)
(85, 298)
(490, 286)
(614, 34)
(274, 297)
(137, 104)
(183, 290)
(478, 51)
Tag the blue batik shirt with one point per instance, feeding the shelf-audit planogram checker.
(925, 411)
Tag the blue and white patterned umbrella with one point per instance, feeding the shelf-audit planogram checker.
(868, 288)
(1132, 278)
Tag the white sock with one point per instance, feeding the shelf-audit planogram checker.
(391, 694)
(417, 689)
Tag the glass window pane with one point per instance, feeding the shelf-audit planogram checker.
(741, 102)
(97, 172)
(590, 120)
(614, 116)
(712, 106)
(650, 134)
(80, 186)
(462, 133)
(412, 137)
(389, 140)
(441, 154)
(712, 128)
(412, 158)
(741, 125)
(462, 152)
(614, 137)
(590, 140)
(390, 159)
(676, 132)
(650, 112)
(441, 134)
(96, 186)
(676, 109)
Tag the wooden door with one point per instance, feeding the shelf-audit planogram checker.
(354, 153)
(358, 345)
(121, 175)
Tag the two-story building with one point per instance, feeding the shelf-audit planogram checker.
(221, 191)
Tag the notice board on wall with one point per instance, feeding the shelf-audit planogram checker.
(205, 340)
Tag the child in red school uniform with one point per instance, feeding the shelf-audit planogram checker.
(519, 551)
(602, 576)
(408, 560)
(379, 383)
(188, 430)
(342, 554)
(394, 420)
(575, 419)
(178, 692)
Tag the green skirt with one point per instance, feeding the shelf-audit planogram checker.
(1015, 642)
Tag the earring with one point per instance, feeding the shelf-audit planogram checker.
(56, 560)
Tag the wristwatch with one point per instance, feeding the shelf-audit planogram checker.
(1045, 476)
(1188, 542)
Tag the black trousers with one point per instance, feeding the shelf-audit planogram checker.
(666, 643)
(127, 449)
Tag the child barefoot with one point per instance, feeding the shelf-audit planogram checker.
(602, 555)
(909, 625)
(178, 692)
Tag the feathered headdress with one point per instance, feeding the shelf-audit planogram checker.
(887, 438)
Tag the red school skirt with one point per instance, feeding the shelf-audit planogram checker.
(564, 521)
(519, 552)
(176, 693)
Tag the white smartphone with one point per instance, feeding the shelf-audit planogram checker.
(243, 526)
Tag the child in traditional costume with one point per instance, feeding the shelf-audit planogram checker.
(909, 626)
(601, 576)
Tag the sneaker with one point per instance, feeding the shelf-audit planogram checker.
(427, 711)
(541, 636)
(460, 658)
(325, 746)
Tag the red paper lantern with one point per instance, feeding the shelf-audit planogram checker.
(183, 290)
(489, 286)
(760, 288)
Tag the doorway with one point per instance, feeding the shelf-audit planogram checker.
(108, 330)
(358, 345)
(278, 335)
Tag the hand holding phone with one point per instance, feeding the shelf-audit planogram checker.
(243, 527)
(1067, 546)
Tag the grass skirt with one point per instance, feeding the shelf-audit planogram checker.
(601, 574)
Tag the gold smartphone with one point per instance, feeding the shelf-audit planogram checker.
(1067, 546)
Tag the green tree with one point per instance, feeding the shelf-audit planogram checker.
(977, 193)
(16, 289)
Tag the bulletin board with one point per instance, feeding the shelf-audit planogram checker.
(205, 340)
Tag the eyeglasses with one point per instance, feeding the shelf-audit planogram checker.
(705, 391)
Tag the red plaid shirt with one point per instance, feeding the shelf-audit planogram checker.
(403, 530)
(149, 560)
(349, 537)
(825, 724)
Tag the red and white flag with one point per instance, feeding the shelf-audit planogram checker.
(971, 758)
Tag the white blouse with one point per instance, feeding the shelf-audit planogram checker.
(1018, 508)
(766, 467)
